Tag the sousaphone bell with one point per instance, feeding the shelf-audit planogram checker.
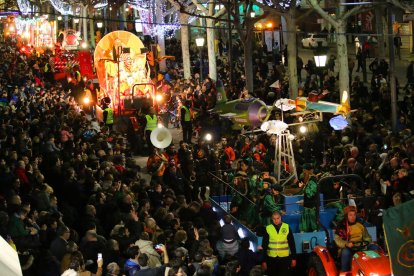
(161, 137)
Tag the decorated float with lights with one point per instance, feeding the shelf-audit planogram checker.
(122, 70)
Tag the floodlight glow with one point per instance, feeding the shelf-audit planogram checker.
(158, 97)
(303, 129)
(86, 100)
(208, 137)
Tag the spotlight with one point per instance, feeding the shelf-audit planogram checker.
(208, 137)
(158, 97)
(84, 45)
(86, 100)
(303, 129)
(59, 18)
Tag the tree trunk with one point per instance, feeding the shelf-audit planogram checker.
(212, 70)
(85, 23)
(380, 30)
(92, 33)
(248, 63)
(185, 47)
(342, 52)
(292, 54)
(113, 22)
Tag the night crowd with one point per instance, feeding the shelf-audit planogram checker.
(70, 187)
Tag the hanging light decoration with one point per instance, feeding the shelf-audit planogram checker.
(24, 6)
(62, 7)
(101, 4)
(166, 24)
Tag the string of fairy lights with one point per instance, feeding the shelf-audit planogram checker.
(166, 22)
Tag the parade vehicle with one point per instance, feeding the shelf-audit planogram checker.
(316, 254)
(324, 261)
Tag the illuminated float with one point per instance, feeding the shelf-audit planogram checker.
(121, 67)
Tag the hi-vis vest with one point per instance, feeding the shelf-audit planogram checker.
(151, 122)
(109, 116)
(278, 243)
(187, 116)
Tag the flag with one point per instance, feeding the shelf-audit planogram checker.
(399, 235)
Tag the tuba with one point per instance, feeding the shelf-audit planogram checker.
(161, 137)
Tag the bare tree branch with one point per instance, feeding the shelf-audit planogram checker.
(353, 11)
(322, 13)
(404, 5)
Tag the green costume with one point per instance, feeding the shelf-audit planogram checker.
(271, 203)
(308, 220)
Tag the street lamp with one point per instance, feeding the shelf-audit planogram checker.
(99, 24)
(320, 61)
(200, 45)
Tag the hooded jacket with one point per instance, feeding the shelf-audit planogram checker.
(154, 259)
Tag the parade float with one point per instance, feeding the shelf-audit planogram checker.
(121, 68)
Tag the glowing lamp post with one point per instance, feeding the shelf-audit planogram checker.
(200, 45)
(99, 24)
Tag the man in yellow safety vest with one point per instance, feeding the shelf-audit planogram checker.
(108, 115)
(279, 245)
(151, 122)
(186, 123)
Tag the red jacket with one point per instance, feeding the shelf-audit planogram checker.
(21, 174)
